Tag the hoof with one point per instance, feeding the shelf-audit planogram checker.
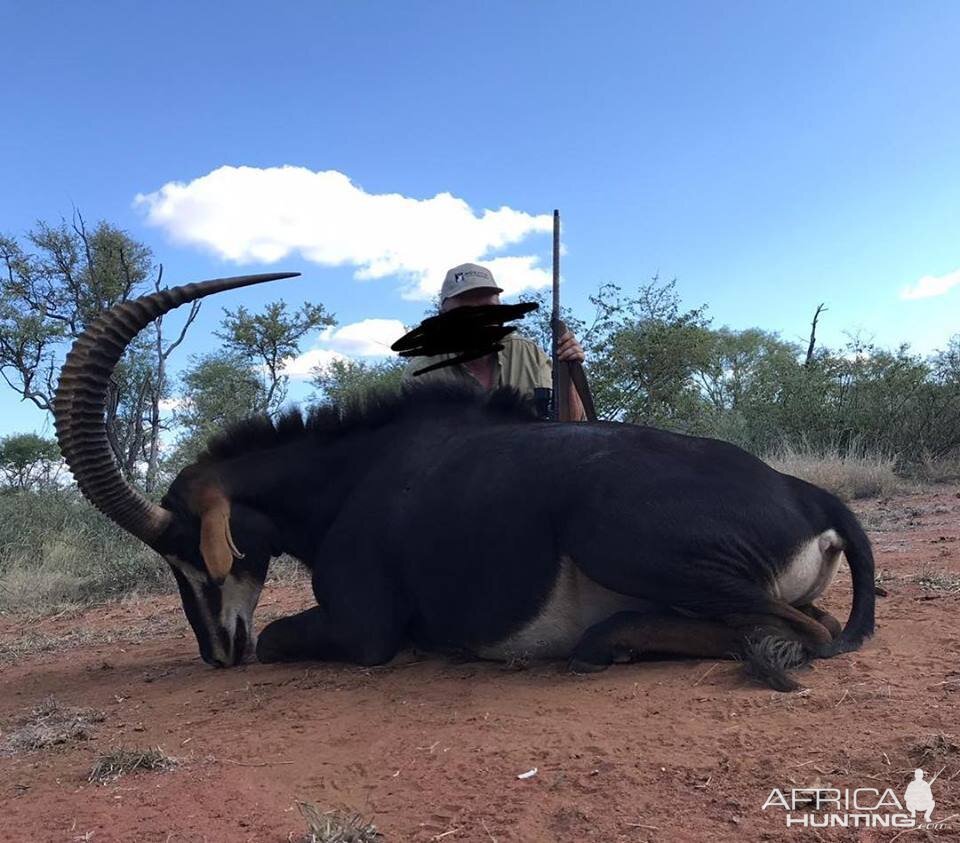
(832, 626)
(266, 654)
(268, 647)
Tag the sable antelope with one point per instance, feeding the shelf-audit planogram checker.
(459, 521)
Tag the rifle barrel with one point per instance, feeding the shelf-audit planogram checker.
(555, 320)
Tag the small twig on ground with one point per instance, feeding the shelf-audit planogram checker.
(708, 671)
(430, 748)
(255, 763)
(392, 666)
(492, 838)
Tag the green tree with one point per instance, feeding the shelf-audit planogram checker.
(738, 363)
(946, 363)
(217, 389)
(652, 361)
(346, 382)
(941, 409)
(899, 402)
(642, 353)
(270, 338)
(53, 286)
(29, 462)
(50, 294)
(751, 381)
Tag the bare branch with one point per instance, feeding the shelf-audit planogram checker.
(194, 310)
(813, 334)
(26, 393)
(127, 277)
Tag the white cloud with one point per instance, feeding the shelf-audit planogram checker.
(261, 215)
(367, 338)
(169, 405)
(931, 285)
(301, 367)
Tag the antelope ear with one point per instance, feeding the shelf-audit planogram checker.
(216, 541)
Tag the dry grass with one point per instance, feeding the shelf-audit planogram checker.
(336, 827)
(931, 580)
(884, 576)
(42, 588)
(945, 470)
(50, 724)
(56, 550)
(849, 476)
(934, 748)
(118, 762)
(34, 642)
(285, 570)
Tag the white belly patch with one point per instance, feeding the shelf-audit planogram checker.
(575, 604)
(811, 569)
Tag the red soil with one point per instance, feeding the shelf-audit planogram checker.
(431, 749)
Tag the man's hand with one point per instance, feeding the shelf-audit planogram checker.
(569, 349)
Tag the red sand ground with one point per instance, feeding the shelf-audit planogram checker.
(430, 749)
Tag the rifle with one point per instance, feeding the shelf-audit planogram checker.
(566, 371)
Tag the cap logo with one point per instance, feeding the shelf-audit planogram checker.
(460, 277)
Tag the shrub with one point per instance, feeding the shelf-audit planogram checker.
(852, 475)
(55, 549)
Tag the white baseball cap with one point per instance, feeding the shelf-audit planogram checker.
(467, 276)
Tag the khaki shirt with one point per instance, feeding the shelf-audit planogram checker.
(522, 364)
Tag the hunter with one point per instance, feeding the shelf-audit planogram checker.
(521, 364)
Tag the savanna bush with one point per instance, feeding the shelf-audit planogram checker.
(55, 549)
(850, 475)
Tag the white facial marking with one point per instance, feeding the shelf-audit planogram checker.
(575, 604)
(811, 569)
(238, 599)
(196, 580)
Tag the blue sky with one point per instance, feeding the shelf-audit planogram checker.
(768, 155)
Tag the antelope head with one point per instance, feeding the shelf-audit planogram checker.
(218, 548)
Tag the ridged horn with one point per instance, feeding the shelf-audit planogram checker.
(78, 407)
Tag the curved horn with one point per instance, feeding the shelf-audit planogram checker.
(78, 407)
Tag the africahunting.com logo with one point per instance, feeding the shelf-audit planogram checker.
(860, 807)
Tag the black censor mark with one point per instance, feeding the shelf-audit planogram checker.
(467, 332)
